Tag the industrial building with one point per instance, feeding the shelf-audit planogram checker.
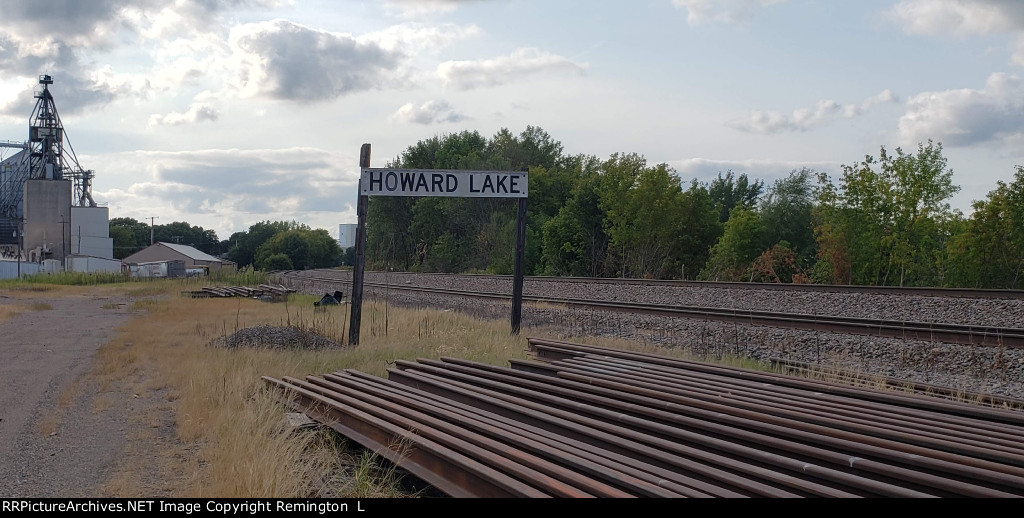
(164, 252)
(347, 235)
(47, 213)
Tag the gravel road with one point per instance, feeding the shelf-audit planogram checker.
(54, 446)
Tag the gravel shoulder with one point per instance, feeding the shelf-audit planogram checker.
(60, 433)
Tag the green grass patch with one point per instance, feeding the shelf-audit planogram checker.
(245, 276)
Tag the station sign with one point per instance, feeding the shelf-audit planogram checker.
(439, 182)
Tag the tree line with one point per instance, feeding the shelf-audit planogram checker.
(886, 220)
(277, 245)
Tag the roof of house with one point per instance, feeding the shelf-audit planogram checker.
(192, 253)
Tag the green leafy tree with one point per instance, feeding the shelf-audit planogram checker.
(306, 248)
(574, 240)
(786, 214)
(642, 206)
(278, 262)
(699, 229)
(730, 192)
(129, 236)
(988, 252)
(891, 212)
(182, 233)
(741, 243)
(245, 244)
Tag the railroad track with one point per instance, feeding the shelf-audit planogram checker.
(821, 288)
(989, 336)
(586, 421)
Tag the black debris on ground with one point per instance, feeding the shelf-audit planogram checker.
(275, 337)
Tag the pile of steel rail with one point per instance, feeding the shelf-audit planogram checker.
(263, 290)
(588, 421)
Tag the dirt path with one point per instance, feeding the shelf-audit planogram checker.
(59, 435)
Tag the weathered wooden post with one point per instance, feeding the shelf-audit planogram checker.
(356, 316)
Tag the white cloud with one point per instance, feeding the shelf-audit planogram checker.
(197, 112)
(61, 38)
(285, 60)
(467, 75)
(227, 189)
(963, 17)
(959, 16)
(414, 38)
(991, 115)
(727, 11)
(420, 8)
(705, 170)
(803, 119)
(430, 112)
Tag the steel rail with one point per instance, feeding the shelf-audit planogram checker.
(598, 391)
(520, 463)
(669, 377)
(602, 481)
(424, 458)
(988, 336)
(751, 479)
(996, 449)
(611, 400)
(826, 288)
(560, 350)
(564, 438)
(782, 469)
(948, 417)
(926, 424)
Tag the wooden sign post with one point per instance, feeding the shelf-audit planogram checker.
(436, 182)
(356, 315)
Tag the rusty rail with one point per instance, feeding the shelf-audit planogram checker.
(596, 422)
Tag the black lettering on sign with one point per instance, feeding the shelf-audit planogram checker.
(472, 188)
(437, 182)
(391, 181)
(512, 187)
(488, 184)
(422, 182)
(376, 178)
(453, 183)
(408, 181)
(502, 187)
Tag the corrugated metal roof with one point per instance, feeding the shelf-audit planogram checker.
(192, 253)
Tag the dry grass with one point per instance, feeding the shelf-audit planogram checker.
(215, 429)
(9, 311)
(660, 349)
(230, 441)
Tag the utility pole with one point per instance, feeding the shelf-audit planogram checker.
(151, 218)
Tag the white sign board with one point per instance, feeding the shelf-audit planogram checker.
(437, 182)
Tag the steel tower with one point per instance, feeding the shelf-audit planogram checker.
(47, 155)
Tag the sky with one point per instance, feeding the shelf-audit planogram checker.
(224, 113)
